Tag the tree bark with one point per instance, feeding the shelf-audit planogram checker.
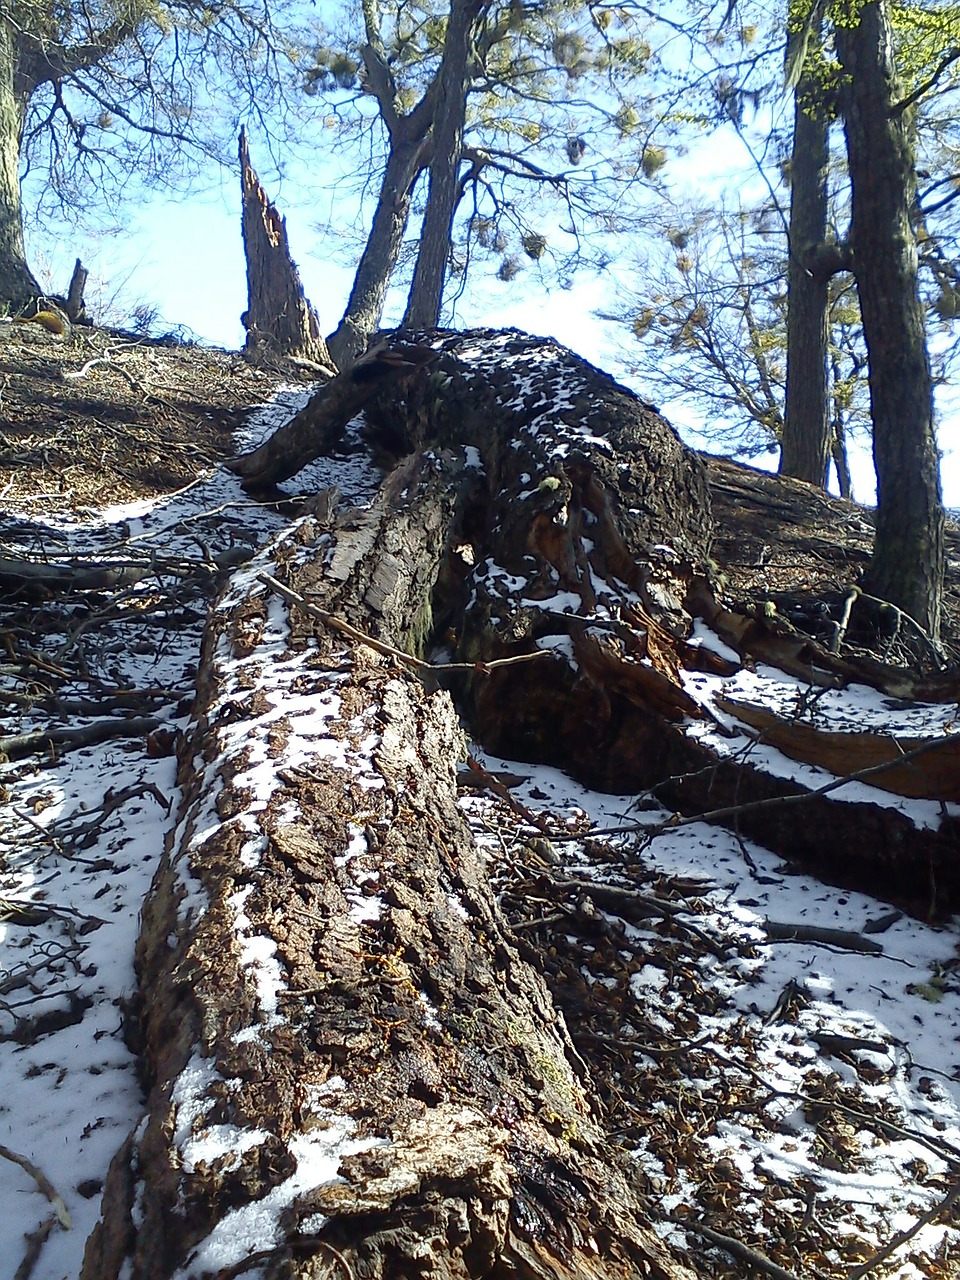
(806, 437)
(908, 559)
(279, 320)
(391, 1033)
(361, 320)
(433, 257)
(18, 287)
(75, 306)
(350, 1069)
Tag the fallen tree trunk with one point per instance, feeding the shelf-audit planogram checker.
(350, 1070)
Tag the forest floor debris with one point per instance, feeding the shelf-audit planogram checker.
(796, 1096)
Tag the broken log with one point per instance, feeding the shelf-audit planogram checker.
(350, 1069)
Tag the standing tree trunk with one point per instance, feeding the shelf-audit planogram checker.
(426, 292)
(17, 284)
(908, 559)
(279, 320)
(806, 436)
(405, 163)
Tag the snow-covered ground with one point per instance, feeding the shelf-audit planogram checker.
(817, 1040)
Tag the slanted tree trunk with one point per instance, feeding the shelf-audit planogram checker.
(907, 566)
(279, 319)
(806, 436)
(18, 287)
(361, 320)
(433, 256)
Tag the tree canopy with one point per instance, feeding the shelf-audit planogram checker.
(96, 97)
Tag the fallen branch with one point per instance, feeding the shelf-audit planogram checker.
(354, 633)
(19, 745)
(901, 1238)
(43, 1182)
(676, 820)
(845, 939)
(493, 783)
(642, 906)
(736, 1248)
(35, 1242)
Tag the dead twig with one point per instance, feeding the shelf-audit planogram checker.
(493, 783)
(901, 1238)
(736, 1248)
(35, 1242)
(43, 1182)
(417, 664)
(640, 905)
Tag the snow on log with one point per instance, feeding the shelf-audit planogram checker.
(351, 1072)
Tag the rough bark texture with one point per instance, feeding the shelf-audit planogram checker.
(320, 423)
(350, 1069)
(907, 565)
(805, 443)
(401, 1016)
(17, 284)
(426, 291)
(75, 305)
(279, 320)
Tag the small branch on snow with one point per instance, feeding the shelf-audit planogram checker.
(901, 1238)
(736, 1248)
(43, 1182)
(19, 745)
(493, 783)
(641, 904)
(35, 1242)
(845, 939)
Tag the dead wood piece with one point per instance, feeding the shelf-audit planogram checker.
(408, 1024)
(844, 939)
(16, 746)
(279, 320)
(43, 1182)
(933, 774)
(775, 641)
(635, 905)
(75, 306)
(314, 430)
(35, 1242)
(736, 1248)
(905, 1236)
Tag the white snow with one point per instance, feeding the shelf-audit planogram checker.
(69, 1096)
